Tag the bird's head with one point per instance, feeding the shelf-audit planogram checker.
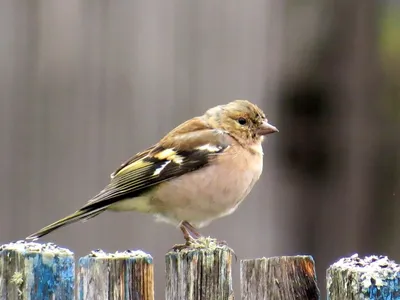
(242, 119)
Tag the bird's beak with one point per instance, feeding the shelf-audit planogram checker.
(266, 128)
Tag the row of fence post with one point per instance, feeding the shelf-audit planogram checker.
(34, 271)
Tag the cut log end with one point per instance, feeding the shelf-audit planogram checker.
(122, 275)
(371, 277)
(286, 278)
(199, 272)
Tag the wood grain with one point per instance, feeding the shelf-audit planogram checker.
(119, 276)
(279, 278)
(199, 273)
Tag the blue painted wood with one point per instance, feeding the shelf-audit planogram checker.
(123, 275)
(33, 271)
(372, 277)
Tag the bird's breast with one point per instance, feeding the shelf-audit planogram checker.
(211, 192)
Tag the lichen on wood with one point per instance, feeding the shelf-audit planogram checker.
(371, 277)
(201, 271)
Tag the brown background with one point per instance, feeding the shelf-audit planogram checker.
(86, 84)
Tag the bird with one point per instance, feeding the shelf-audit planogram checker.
(198, 172)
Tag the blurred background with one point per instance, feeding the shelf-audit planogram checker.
(84, 85)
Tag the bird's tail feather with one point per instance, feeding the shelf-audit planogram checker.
(82, 214)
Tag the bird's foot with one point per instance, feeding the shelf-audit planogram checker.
(179, 247)
(203, 243)
(187, 230)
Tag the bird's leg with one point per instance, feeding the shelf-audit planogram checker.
(196, 234)
(186, 235)
(190, 233)
(193, 230)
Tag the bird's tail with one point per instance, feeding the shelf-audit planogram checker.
(82, 214)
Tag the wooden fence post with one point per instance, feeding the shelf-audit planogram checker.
(33, 271)
(371, 277)
(125, 275)
(201, 272)
(279, 278)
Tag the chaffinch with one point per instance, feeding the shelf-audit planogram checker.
(200, 171)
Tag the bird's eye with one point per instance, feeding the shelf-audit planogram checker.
(242, 121)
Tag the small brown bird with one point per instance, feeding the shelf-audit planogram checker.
(200, 171)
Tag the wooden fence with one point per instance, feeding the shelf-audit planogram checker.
(33, 271)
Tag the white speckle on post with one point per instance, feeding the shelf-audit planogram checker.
(202, 271)
(23, 246)
(354, 278)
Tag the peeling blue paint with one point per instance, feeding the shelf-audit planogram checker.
(43, 275)
(389, 291)
(53, 279)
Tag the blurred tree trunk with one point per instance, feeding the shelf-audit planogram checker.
(333, 108)
(387, 158)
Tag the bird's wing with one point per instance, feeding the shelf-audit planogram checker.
(132, 160)
(169, 159)
(182, 151)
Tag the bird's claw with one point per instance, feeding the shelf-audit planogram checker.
(190, 245)
(179, 247)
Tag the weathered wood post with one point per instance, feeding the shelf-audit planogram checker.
(200, 272)
(371, 277)
(124, 275)
(279, 278)
(33, 271)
